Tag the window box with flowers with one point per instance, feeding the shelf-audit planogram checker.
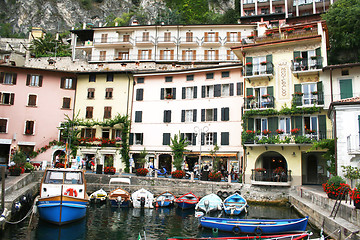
(265, 96)
(298, 94)
(248, 64)
(168, 96)
(266, 132)
(315, 93)
(279, 131)
(28, 132)
(251, 36)
(178, 174)
(260, 169)
(109, 170)
(355, 196)
(307, 27)
(289, 30)
(295, 131)
(298, 59)
(309, 131)
(248, 136)
(142, 171)
(314, 57)
(16, 170)
(333, 186)
(269, 34)
(215, 176)
(250, 97)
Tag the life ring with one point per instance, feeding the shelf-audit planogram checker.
(71, 192)
(236, 230)
(258, 231)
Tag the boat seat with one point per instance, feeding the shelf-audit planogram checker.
(120, 180)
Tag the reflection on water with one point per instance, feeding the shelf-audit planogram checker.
(103, 222)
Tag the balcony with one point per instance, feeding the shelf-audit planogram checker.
(232, 41)
(258, 138)
(353, 144)
(124, 58)
(270, 177)
(259, 71)
(84, 44)
(259, 103)
(211, 42)
(189, 42)
(114, 42)
(145, 41)
(308, 99)
(306, 66)
(166, 41)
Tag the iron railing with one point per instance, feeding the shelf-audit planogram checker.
(306, 64)
(260, 102)
(316, 98)
(270, 175)
(259, 69)
(353, 143)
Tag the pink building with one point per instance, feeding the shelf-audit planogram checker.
(33, 103)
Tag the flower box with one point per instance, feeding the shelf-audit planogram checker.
(269, 34)
(168, 96)
(298, 93)
(334, 186)
(289, 30)
(250, 96)
(266, 132)
(251, 36)
(178, 174)
(314, 57)
(298, 59)
(309, 131)
(142, 171)
(263, 63)
(315, 93)
(307, 27)
(260, 170)
(248, 64)
(279, 131)
(109, 170)
(355, 196)
(295, 131)
(215, 176)
(265, 96)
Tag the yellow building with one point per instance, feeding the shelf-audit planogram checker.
(103, 100)
(284, 105)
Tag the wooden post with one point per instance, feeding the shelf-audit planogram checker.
(3, 187)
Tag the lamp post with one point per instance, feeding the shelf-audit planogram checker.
(199, 131)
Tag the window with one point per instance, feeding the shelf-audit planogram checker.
(167, 36)
(116, 134)
(264, 11)
(3, 125)
(168, 79)
(144, 55)
(225, 74)
(188, 115)
(344, 72)
(110, 77)
(88, 132)
(123, 55)
(107, 112)
(167, 116)
(92, 77)
(189, 37)
(189, 92)
(140, 80)
(89, 112)
(261, 124)
(308, 89)
(145, 36)
(189, 77)
(8, 78)
(189, 55)
(105, 133)
(278, 9)
(138, 116)
(285, 124)
(108, 93)
(190, 138)
(211, 54)
(32, 100)
(168, 93)
(239, 88)
(209, 91)
(258, 68)
(7, 98)
(346, 88)
(233, 37)
(102, 55)
(225, 114)
(67, 83)
(224, 138)
(104, 37)
(166, 138)
(29, 127)
(225, 89)
(311, 124)
(209, 138)
(66, 103)
(91, 93)
(210, 76)
(34, 80)
(139, 94)
(209, 114)
(231, 55)
(136, 138)
(126, 38)
(211, 37)
(166, 54)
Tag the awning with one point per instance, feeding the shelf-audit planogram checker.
(220, 155)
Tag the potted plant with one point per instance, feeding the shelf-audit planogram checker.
(251, 36)
(279, 131)
(109, 170)
(250, 97)
(269, 34)
(295, 131)
(298, 59)
(142, 171)
(307, 27)
(29, 167)
(263, 63)
(178, 174)
(248, 63)
(298, 93)
(309, 131)
(260, 170)
(169, 96)
(215, 176)
(16, 170)
(266, 132)
(355, 195)
(289, 30)
(314, 93)
(333, 186)
(265, 96)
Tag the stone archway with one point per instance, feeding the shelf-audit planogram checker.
(274, 166)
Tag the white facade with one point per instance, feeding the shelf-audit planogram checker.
(193, 99)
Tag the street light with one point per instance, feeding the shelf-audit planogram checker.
(199, 131)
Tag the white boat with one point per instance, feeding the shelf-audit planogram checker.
(142, 199)
(63, 197)
(99, 196)
(209, 203)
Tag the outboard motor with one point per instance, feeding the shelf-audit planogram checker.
(142, 202)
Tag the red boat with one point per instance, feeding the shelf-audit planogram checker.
(294, 236)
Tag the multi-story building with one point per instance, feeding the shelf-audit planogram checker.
(201, 105)
(160, 47)
(33, 103)
(103, 100)
(284, 105)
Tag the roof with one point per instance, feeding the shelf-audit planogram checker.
(344, 65)
(344, 102)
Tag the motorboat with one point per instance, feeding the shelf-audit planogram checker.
(186, 201)
(209, 203)
(165, 199)
(142, 198)
(98, 196)
(234, 204)
(119, 198)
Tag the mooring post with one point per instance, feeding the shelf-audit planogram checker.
(3, 187)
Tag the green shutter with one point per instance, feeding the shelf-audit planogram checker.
(299, 124)
(322, 126)
(346, 88)
(250, 124)
(273, 124)
(319, 59)
(296, 54)
(298, 99)
(248, 68)
(270, 91)
(269, 64)
(320, 93)
(249, 91)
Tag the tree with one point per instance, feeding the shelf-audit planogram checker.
(343, 21)
(178, 146)
(141, 159)
(215, 158)
(48, 46)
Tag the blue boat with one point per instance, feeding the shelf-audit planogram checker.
(119, 198)
(209, 203)
(63, 198)
(187, 201)
(255, 226)
(165, 199)
(234, 204)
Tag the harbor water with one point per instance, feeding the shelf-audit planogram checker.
(103, 222)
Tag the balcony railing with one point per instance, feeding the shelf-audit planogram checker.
(306, 137)
(304, 65)
(260, 103)
(271, 176)
(259, 69)
(309, 99)
(113, 40)
(353, 144)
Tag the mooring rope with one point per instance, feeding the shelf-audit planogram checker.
(29, 212)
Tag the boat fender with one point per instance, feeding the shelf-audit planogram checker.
(225, 194)
(231, 193)
(258, 231)
(219, 193)
(71, 192)
(238, 192)
(236, 230)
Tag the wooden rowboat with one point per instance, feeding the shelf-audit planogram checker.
(296, 236)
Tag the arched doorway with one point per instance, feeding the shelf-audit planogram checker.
(59, 155)
(272, 166)
(165, 161)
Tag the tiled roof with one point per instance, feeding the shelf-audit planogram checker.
(353, 99)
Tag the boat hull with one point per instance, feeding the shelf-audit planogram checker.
(116, 203)
(297, 236)
(61, 212)
(186, 205)
(255, 226)
(234, 204)
(164, 203)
